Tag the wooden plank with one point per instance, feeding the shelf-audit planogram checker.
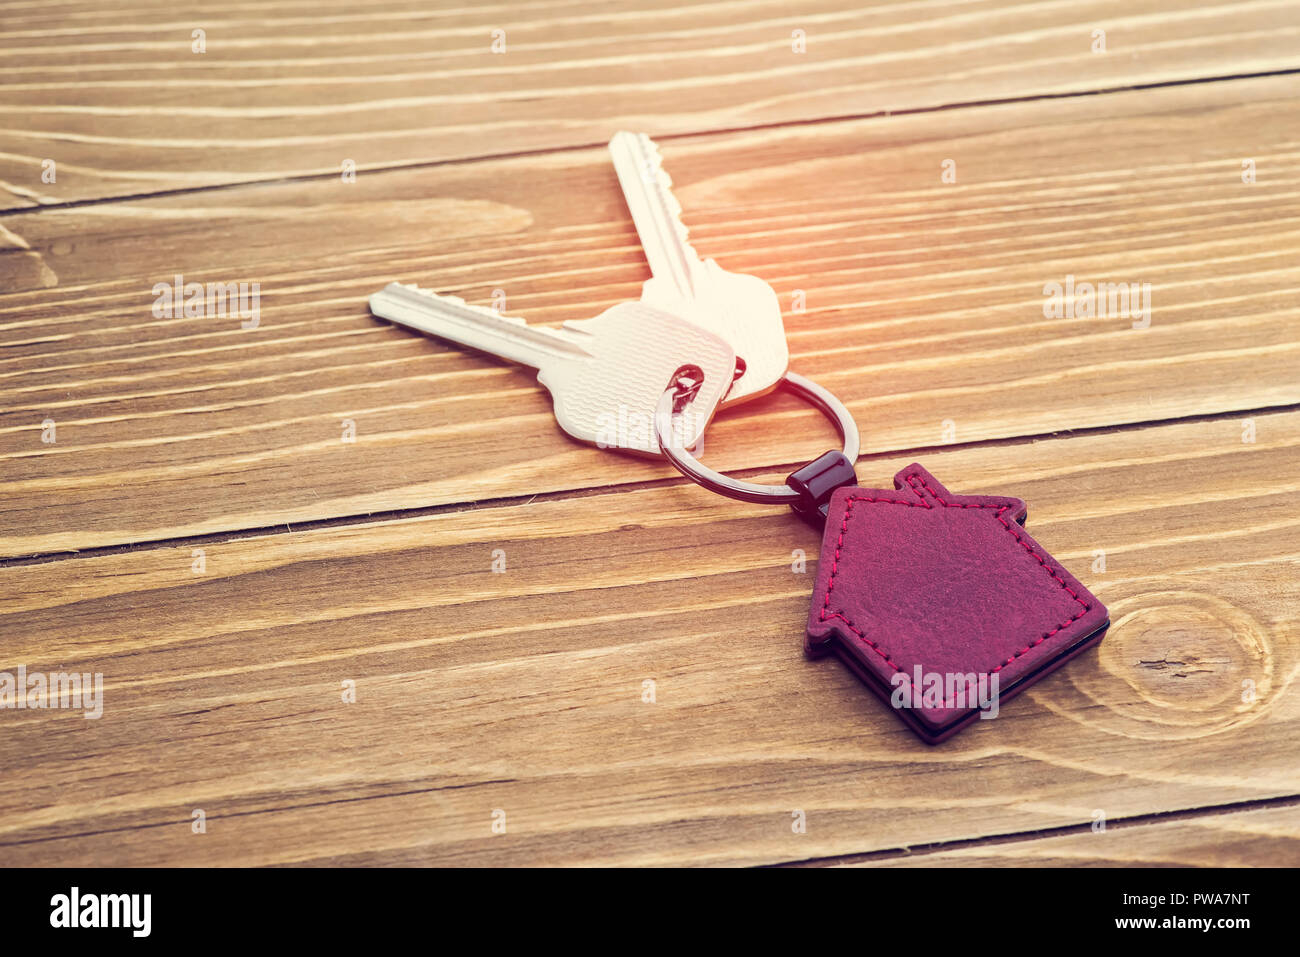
(924, 309)
(1253, 837)
(121, 102)
(522, 691)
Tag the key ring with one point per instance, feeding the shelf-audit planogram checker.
(831, 462)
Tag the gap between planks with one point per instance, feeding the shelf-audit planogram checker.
(827, 120)
(374, 518)
(1019, 837)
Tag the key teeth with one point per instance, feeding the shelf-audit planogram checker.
(650, 152)
(456, 301)
(429, 293)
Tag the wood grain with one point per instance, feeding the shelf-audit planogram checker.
(121, 102)
(924, 309)
(522, 691)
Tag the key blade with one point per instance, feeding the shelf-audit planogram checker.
(477, 327)
(657, 215)
(742, 309)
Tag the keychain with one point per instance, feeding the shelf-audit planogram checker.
(941, 603)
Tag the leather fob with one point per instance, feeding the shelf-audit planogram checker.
(918, 577)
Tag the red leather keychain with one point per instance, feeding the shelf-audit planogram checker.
(941, 603)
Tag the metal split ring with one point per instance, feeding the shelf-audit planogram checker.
(691, 467)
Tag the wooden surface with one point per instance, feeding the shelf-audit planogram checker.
(1174, 450)
(287, 89)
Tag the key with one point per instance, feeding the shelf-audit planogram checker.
(743, 310)
(605, 375)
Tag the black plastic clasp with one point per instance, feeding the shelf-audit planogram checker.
(816, 481)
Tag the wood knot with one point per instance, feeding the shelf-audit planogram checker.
(1179, 665)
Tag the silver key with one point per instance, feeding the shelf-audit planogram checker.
(743, 310)
(605, 375)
